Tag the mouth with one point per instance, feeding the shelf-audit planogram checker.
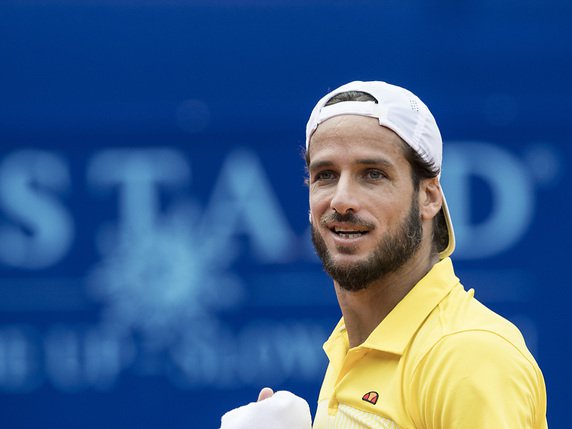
(347, 232)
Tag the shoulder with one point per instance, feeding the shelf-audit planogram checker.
(469, 367)
(479, 378)
(465, 340)
(460, 324)
(478, 352)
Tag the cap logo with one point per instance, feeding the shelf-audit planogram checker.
(371, 397)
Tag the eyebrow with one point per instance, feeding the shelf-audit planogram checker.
(375, 161)
(366, 161)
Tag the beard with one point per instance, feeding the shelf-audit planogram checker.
(392, 251)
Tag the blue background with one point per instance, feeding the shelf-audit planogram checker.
(155, 266)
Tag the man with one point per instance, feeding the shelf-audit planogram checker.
(413, 348)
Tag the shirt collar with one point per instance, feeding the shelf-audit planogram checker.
(393, 334)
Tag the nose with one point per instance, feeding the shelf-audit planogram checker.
(345, 197)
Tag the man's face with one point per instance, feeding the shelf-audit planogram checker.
(364, 209)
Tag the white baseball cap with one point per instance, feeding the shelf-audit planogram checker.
(402, 112)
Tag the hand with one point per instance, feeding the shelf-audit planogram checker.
(265, 393)
(280, 410)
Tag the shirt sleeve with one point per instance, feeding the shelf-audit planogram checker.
(477, 379)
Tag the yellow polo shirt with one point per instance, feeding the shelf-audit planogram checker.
(439, 360)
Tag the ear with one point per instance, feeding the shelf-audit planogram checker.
(430, 198)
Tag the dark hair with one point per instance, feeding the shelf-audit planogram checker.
(351, 96)
(420, 169)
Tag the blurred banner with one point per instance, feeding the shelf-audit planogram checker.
(155, 262)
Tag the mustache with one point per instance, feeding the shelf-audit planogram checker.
(349, 218)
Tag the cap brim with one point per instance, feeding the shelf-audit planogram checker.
(447, 251)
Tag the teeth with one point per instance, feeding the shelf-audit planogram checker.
(348, 231)
(353, 234)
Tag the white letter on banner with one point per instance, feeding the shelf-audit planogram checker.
(243, 202)
(42, 232)
(138, 173)
(512, 197)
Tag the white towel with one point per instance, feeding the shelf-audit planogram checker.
(283, 410)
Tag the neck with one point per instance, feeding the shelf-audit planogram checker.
(364, 310)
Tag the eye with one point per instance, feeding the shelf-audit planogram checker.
(374, 174)
(325, 175)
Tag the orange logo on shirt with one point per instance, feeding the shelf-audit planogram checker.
(371, 397)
